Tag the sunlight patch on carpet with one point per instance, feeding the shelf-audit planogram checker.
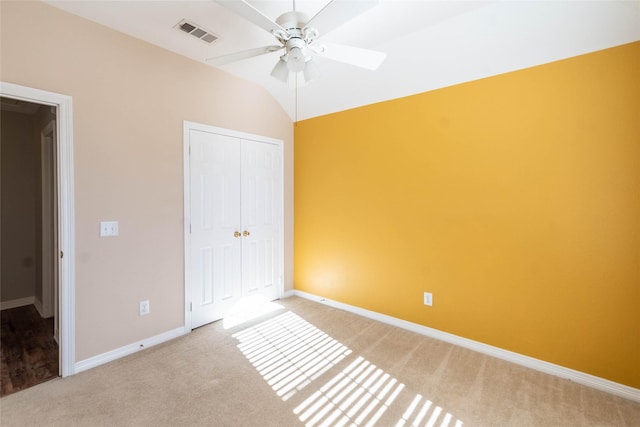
(290, 353)
(420, 418)
(361, 392)
(248, 309)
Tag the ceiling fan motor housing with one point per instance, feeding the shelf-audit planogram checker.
(292, 20)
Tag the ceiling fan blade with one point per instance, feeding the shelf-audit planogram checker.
(338, 12)
(364, 58)
(245, 54)
(251, 14)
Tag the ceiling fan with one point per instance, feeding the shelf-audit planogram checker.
(299, 36)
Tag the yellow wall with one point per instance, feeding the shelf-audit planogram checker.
(514, 199)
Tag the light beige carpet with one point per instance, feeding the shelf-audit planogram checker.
(309, 364)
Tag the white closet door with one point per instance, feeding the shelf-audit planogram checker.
(236, 227)
(261, 219)
(216, 244)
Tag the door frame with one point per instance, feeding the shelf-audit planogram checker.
(49, 221)
(187, 128)
(66, 231)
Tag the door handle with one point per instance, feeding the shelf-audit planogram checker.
(246, 233)
(237, 234)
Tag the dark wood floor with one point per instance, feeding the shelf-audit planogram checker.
(29, 352)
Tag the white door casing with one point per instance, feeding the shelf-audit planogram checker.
(233, 220)
(49, 222)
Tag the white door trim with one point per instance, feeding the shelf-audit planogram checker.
(66, 236)
(187, 127)
(48, 250)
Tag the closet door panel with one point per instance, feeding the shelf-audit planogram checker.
(261, 219)
(216, 249)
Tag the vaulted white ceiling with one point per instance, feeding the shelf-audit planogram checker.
(429, 44)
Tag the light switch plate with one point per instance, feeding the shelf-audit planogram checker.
(108, 228)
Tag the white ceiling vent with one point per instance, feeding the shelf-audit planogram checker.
(196, 31)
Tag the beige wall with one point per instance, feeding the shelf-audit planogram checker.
(19, 197)
(129, 102)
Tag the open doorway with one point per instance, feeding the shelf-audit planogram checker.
(65, 207)
(65, 255)
(29, 244)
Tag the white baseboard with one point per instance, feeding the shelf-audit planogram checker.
(112, 355)
(19, 302)
(520, 359)
(288, 294)
(38, 304)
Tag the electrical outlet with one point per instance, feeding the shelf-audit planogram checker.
(428, 298)
(145, 308)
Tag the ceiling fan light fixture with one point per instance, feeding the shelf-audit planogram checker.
(296, 59)
(311, 71)
(281, 70)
